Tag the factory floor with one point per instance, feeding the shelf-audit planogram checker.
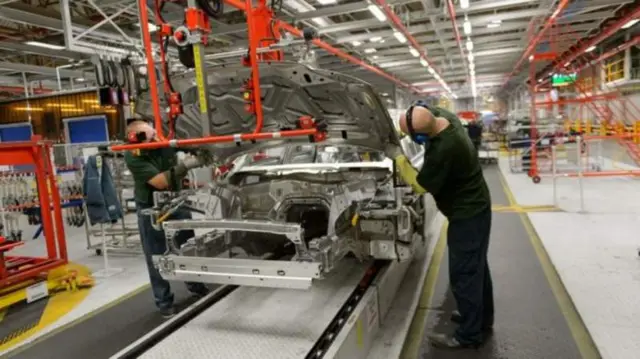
(548, 264)
(534, 318)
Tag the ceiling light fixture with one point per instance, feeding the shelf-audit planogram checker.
(469, 45)
(375, 10)
(424, 63)
(375, 38)
(401, 38)
(45, 45)
(431, 70)
(590, 49)
(630, 23)
(356, 43)
(326, 2)
(464, 4)
(472, 66)
(370, 50)
(470, 57)
(414, 52)
(466, 26)
(493, 25)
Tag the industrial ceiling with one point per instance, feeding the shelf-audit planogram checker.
(496, 32)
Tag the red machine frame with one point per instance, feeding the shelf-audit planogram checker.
(262, 28)
(16, 269)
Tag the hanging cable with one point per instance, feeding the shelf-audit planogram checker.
(213, 8)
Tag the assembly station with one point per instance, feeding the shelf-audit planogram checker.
(221, 179)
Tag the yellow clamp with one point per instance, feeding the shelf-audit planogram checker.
(354, 219)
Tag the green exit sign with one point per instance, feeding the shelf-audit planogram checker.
(563, 79)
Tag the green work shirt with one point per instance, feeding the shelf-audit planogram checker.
(452, 174)
(146, 164)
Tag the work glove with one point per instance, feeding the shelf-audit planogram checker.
(202, 157)
(404, 167)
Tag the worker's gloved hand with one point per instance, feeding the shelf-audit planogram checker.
(202, 158)
(408, 174)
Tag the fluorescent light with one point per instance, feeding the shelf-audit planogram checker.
(384, 94)
(400, 37)
(473, 73)
(493, 25)
(375, 38)
(326, 2)
(630, 23)
(45, 45)
(320, 21)
(590, 49)
(469, 45)
(567, 64)
(150, 26)
(370, 50)
(356, 43)
(424, 62)
(414, 52)
(80, 79)
(455, 96)
(470, 57)
(375, 57)
(496, 21)
(431, 70)
(467, 27)
(472, 66)
(375, 10)
(464, 4)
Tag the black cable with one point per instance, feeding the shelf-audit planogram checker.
(118, 72)
(97, 69)
(213, 8)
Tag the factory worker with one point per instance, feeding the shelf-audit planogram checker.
(159, 170)
(452, 174)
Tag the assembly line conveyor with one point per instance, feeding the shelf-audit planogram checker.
(339, 317)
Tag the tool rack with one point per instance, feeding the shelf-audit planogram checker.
(16, 269)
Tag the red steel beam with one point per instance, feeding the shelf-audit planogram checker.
(532, 45)
(610, 30)
(456, 31)
(400, 27)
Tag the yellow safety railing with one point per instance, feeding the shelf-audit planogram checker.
(614, 70)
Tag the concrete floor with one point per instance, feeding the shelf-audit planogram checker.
(529, 323)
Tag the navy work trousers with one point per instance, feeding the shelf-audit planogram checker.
(154, 243)
(469, 275)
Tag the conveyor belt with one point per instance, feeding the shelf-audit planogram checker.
(264, 322)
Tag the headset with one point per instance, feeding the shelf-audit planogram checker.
(136, 136)
(418, 138)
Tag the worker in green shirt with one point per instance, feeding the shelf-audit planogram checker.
(451, 173)
(159, 170)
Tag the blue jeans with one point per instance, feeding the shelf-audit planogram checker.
(469, 275)
(154, 243)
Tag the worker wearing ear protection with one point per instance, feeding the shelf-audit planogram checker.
(451, 173)
(159, 170)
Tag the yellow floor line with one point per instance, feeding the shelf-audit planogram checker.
(415, 336)
(579, 331)
(2, 313)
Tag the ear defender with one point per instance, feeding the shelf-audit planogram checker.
(137, 137)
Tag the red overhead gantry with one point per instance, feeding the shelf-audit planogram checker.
(261, 25)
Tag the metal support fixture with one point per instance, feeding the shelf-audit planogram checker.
(73, 43)
(15, 269)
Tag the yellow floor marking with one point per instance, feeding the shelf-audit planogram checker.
(524, 209)
(415, 335)
(579, 331)
(77, 321)
(2, 313)
(58, 305)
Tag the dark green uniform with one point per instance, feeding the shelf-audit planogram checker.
(144, 165)
(452, 174)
